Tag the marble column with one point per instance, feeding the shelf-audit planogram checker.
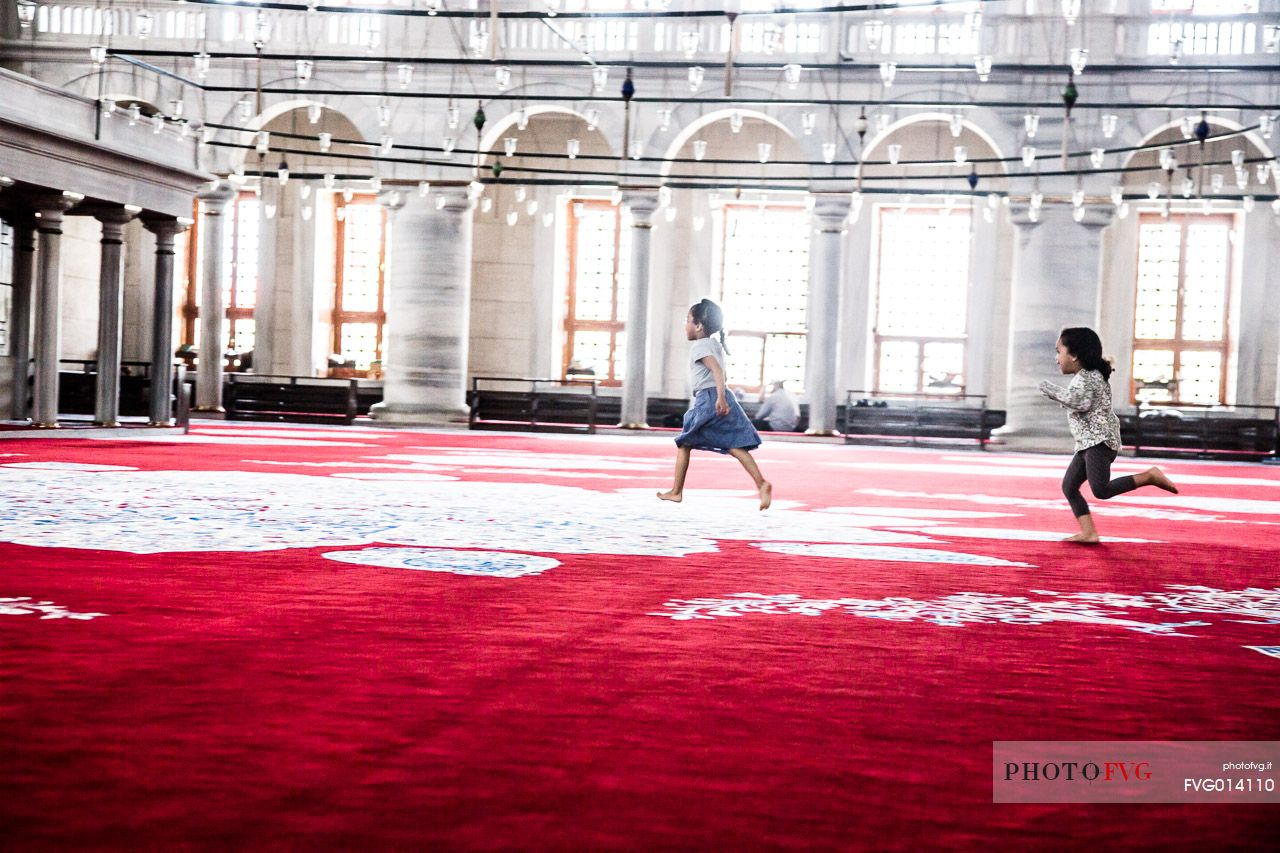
(106, 408)
(1056, 270)
(822, 350)
(48, 304)
(24, 261)
(213, 230)
(642, 204)
(428, 310)
(165, 229)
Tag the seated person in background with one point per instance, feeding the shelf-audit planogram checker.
(780, 412)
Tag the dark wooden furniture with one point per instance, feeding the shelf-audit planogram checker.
(302, 399)
(871, 417)
(1206, 432)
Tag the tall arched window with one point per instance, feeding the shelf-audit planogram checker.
(922, 297)
(764, 291)
(599, 267)
(1180, 335)
(359, 303)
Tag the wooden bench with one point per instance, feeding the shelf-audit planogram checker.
(871, 417)
(539, 405)
(299, 399)
(78, 385)
(1206, 432)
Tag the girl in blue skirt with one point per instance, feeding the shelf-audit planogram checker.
(715, 421)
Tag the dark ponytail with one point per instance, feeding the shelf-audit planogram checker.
(1086, 346)
(708, 315)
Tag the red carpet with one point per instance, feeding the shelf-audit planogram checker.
(511, 643)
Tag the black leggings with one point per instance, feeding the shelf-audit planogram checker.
(1094, 465)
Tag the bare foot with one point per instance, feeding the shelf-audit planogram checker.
(1083, 539)
(1159, 480)
(766, 494)
(673, 496)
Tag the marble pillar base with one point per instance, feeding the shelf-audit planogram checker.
(418, 415)
(633, 425)
(208, 409)
(1032, 440)
(830, 433)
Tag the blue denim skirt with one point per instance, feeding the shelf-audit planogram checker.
(705, 430)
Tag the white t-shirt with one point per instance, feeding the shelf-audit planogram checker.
(700, 376)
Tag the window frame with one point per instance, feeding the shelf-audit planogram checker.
(1177, 344)
(879, 339)
(763, 335)
(618, 324)
(191, 305)
(339, 316)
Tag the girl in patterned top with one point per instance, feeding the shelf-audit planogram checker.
(1094, 427)
(715, 421)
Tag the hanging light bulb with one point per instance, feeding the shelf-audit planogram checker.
(1216, 181)
(326, 141)
(1028, 156)
(1262, 170)
(375, 184)
(384, 115)
(509, 145)
(1037, 199)
(1077, 213)
(888, 72)
(404, 74)
(200, 64)
(1097, 157)
(664, 120)
(1077, 197)
(636, 149)
(957, 124)
(109, 106)
(547, 219)
(447, 145)
(699, 149)
(1188, 187)
(135, 114)
(791, 73)
(735, 121)
(1275, 205)
(1110, 122)
(1248, 202)
(1242, 178)
(520, 194)
(269, 210)
(303, 69)
(314, 111)
(304, 191)
(1188, 126)
(1071, 11)
(261, 30)
(1117, 195)
(143, 23)
(895, 154)
(1237, 157)
(573, 146)
(502, 76)
(982, 64)
(478, 40)
(670, 213)
(486, 204)
(1031, 123)
(828, 152)
(698, 222)
(424, 189)
(522, 120)
(599, 78)
(306, 213)
(433, 7)
(1153, 190)
(532, 207)
(1079, 59)
(245, 107)
(883, 120)
(1176, 48)
(808, 121)
(1265, 123)
(961, 154)
(1168, 161)
(98, 54)
(385, 144)
(873, 34)
(26, 13)
(282, 173)
(1123, 210)
(262, 141)
(689, 41)
(592, 115)
(157, 123)
(451, 117)
(329, 180)
(512, 217)
(176, 107)
(696, 75)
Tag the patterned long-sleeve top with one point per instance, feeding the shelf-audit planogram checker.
(1088, 398)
